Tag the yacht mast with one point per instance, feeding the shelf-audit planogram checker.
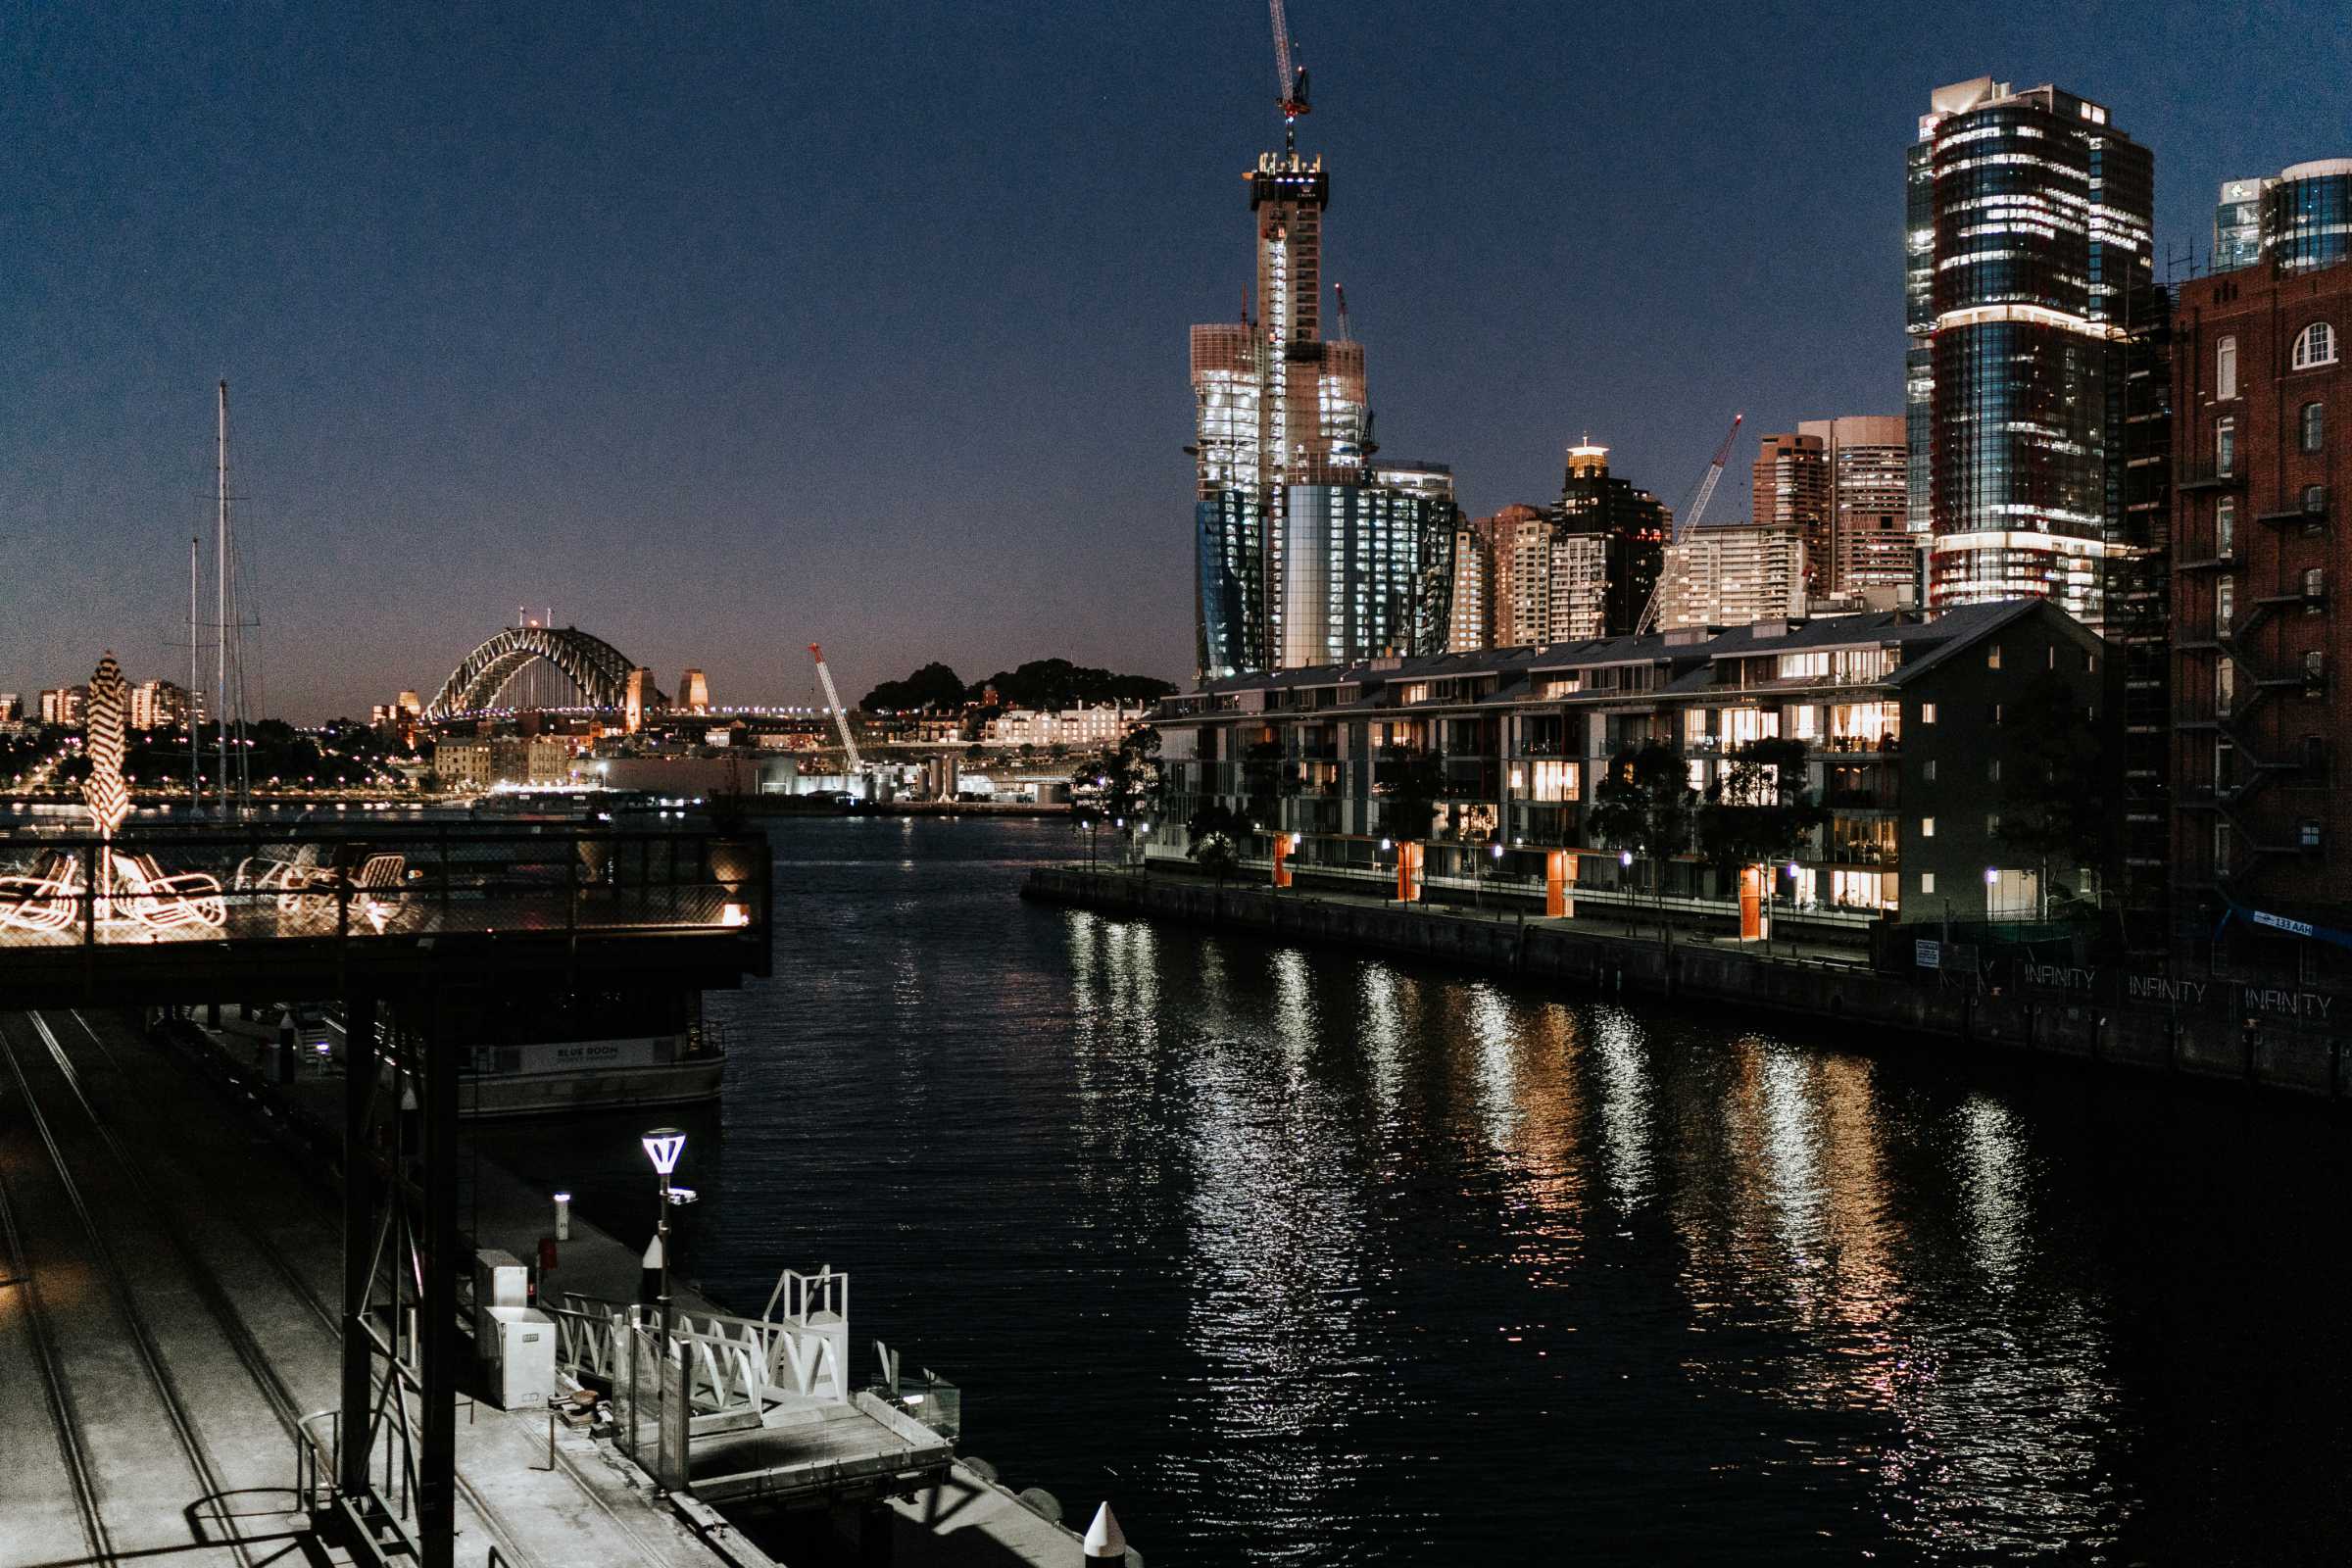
(220, 551)
(195, 674)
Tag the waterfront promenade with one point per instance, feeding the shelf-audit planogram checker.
(2059, 1010)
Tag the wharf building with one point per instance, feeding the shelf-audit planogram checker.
(2029, 300)
(1734, 574)
(1305, 550)
(2261, 824)
(1908, 723)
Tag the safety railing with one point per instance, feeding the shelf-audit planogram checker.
(424, 880)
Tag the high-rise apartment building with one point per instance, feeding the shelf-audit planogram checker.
(1793, 491)
(1734, 574)
(1368, 568)
(1870, 545)
(1519, 542)
(1305, 551)
(1615, 535)
(2029, 290)
(2261, 399)
(67, 706)
(2296, 219)
(158, 705)
(1470, 608)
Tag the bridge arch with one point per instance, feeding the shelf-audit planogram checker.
(598, 668)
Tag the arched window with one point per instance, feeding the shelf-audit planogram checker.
(2314, 426)
(2315, 345)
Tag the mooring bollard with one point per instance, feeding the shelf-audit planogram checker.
(1105, 1541)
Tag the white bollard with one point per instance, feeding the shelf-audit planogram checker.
(1105, 1541)
(563, 1216)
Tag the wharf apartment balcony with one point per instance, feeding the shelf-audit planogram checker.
(2211, 471)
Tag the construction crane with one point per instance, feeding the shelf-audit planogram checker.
(840, 720)
(1688, 520)
(1290, 80)
(1342, 293)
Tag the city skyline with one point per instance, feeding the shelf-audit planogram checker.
(672, 370)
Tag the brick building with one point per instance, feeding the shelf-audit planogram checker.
(2263, 410)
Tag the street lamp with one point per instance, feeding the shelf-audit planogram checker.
(663, 1145)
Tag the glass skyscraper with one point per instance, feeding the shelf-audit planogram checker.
(2028, 288)
(2295, 220)
(1306, 552)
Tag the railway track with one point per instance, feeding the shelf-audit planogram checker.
(92, 1484)
(316, 1309)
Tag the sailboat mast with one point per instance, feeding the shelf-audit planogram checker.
(220, 551)
(195, 674)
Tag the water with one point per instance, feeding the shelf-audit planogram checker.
(1309, 1259)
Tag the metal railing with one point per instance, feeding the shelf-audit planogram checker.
(329, 882)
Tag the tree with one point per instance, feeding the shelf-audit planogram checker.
(1760, 809)
(2055, 796)
(1087, 787)
(933, 688)
(1411, 782)
(1058, 683)
(1134, 793)
(1216, 834)
(1643, 803)
(1262, 773)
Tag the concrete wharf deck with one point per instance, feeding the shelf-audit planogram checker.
(168, 1319)
(167, 1281)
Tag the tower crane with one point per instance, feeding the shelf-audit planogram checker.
(1688, 520)
(1340, 291)
(840, 720)
(1290, 80)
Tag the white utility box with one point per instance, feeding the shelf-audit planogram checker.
(498, 1280)
(520, 1343)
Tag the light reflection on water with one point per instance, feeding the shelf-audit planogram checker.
(1307, 1258)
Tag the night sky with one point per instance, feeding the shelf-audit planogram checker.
(725, 329)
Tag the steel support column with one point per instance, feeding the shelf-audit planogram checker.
(437, 1301)
(362, 1066)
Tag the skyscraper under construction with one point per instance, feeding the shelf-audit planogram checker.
(1306, 552)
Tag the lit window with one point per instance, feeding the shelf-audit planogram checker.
(2314, 426)
(2315, 582)
(2225, 368)
(1926, 712)
(2315, 345)
(1927, 827)
(2224, 605)
(2225, 526)
(2310, 834)
(1993, 657)
(1992, 770)
(1927, 881)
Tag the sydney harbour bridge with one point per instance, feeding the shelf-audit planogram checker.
(599, 671)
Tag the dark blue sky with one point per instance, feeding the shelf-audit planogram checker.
(724, 330)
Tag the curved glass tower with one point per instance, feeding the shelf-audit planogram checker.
(2029, 277)
(2296, 219)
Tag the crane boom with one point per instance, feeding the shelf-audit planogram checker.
(1688, 520)
(840, 720)
(1706, 486)
(1290, 80)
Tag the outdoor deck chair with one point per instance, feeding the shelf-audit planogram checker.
(145, 896)
(45, 899)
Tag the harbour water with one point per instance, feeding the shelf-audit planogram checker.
(1301, 1257)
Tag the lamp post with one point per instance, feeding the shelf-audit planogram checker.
(663, 1145)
